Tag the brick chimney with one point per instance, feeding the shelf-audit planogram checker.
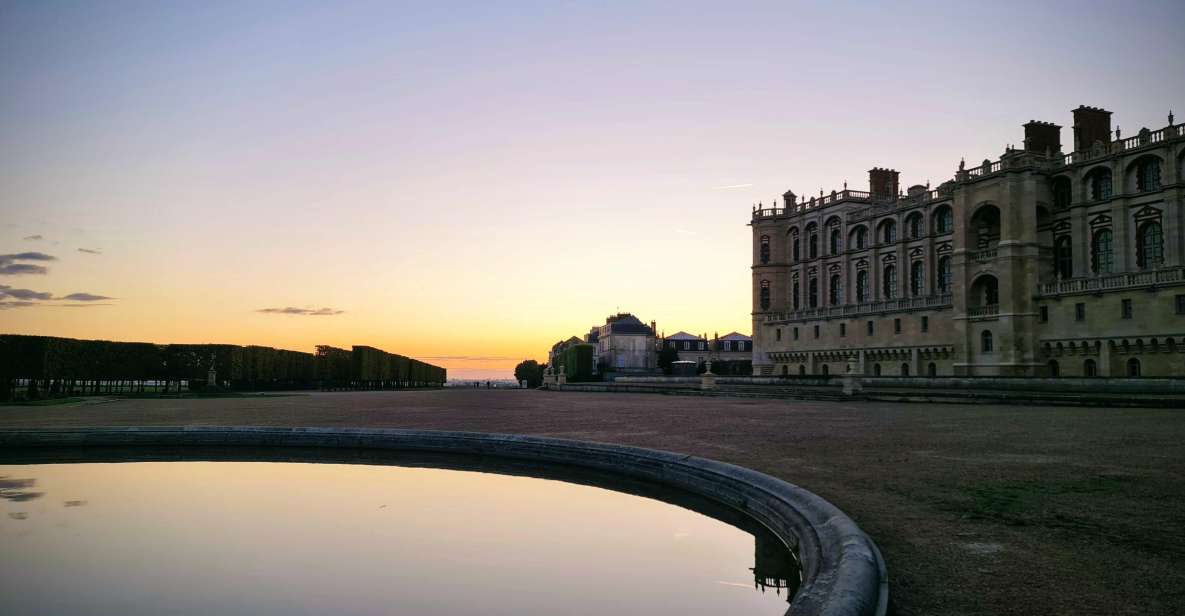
(882, 183)
(1091, 124)
(1042, 136)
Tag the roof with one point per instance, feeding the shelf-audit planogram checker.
(735, 336)
(682, 335)
(627, 324)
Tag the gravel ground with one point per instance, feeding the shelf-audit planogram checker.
(978, 509)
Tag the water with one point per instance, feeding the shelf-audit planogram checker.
(297, 538)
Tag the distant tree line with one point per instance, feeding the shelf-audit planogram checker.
(50, 366)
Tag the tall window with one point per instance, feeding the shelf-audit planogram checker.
(812, 290)
(1133, 367)
(917, 277)
(1063, 257)
(915, 226)
(1090, 368)
(835, 246)
(765, 295)
(1148, 175)
(985, 341)
(1150, 246)
(1062, 194)
(765, 249)
(795, 247)
(1102, 256)
(1100, 184)
(795, 295)
(834, 291)
(862, 286)
(944, 220)
(889, 289)
(859, 238)
(888, 232)
(944, 275)
(812, 244)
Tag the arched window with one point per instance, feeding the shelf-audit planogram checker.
(795, 295)
(917, 278)
(1150, 246)
(1054, 369)
(1102, 257)
(985, 341)
(943, 220)
(785, 370)
(834, 291)
(1099, 182)
(1063, 257)
(1133, 367)
(888, 232)
(801, 370)
(889, 289)
(1062, 193)
(859, 238)
(812, 291)
(944, 275)
(1090, 368)
(836, 246)
(795, 247)
(1148, 176)
(765, 295)
(876, 369)
(812, 241)
(932, 369)
(862, 286)
(765, 249)
(915, 226)
(826, 371)
(904, 369)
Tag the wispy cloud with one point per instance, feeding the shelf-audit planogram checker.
(85, 297)
(731, 186)
(10, 266)
(34, 238)
(28, 297)
(9, 305)
(91, 305)
(311, 312)
(91, 251)
(23, 294)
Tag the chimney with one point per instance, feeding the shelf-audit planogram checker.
(1091, 124)
(1042, 136)
(882, 183)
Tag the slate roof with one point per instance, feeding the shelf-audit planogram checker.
(627, 324)
(736, 336)
(682, 335)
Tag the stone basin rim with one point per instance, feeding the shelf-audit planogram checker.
(843, 572)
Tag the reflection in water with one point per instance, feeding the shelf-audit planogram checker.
(274, 538)
(17, 490)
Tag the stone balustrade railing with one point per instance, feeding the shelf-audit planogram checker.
(1142, 139)
(848, 310)
(985, 255)
(1170, 275)
(987, 310)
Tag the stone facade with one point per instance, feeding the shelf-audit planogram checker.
(1040, 263)
(733, 346)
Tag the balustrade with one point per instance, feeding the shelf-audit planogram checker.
(1171, 275)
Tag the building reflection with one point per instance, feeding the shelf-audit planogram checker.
(774, 565)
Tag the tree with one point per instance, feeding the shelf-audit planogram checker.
(530, 371)
(666, 357)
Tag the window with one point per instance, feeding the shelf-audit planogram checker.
(785, 370)
(794, 295)
(795, 251)
(1148, 177)
(1133, 367)
(1181, 304)
(778, 334)
(816, 331)
(1102, 257)
(876, 369)
(896, 326)
(1054, 369)
(870, 328)
(1044, 314)
(686, 346)
(765, 249)
(944, 220)
(834, 291)
(917, 278)
(843, 328)
(862, 286)
(1099, 182)
(859, 238)
(813, 293)
(801, 370)
(915, 226)
(1126, 308)
(985, 341)
(700, 346)
(825, 370)
(1079, 312)
(1090, 368)
(904, 369)
(1063, 260)
(836, 246)
(889, 289)
(888, 232)
(796, 333)
(1062, 195)
(1150, 246)
(812, 241)
(925, 324)
(765, 295)
(932, 370)
(727, 345)
(944, 275)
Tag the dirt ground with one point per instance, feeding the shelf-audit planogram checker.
(978, 509)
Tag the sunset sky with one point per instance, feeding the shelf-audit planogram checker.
(469, 182)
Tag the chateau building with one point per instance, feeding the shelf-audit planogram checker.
(1040, 263)
(733, 346)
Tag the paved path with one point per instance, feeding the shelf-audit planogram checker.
(977, 509)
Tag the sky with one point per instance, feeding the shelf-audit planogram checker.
(468, 183)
